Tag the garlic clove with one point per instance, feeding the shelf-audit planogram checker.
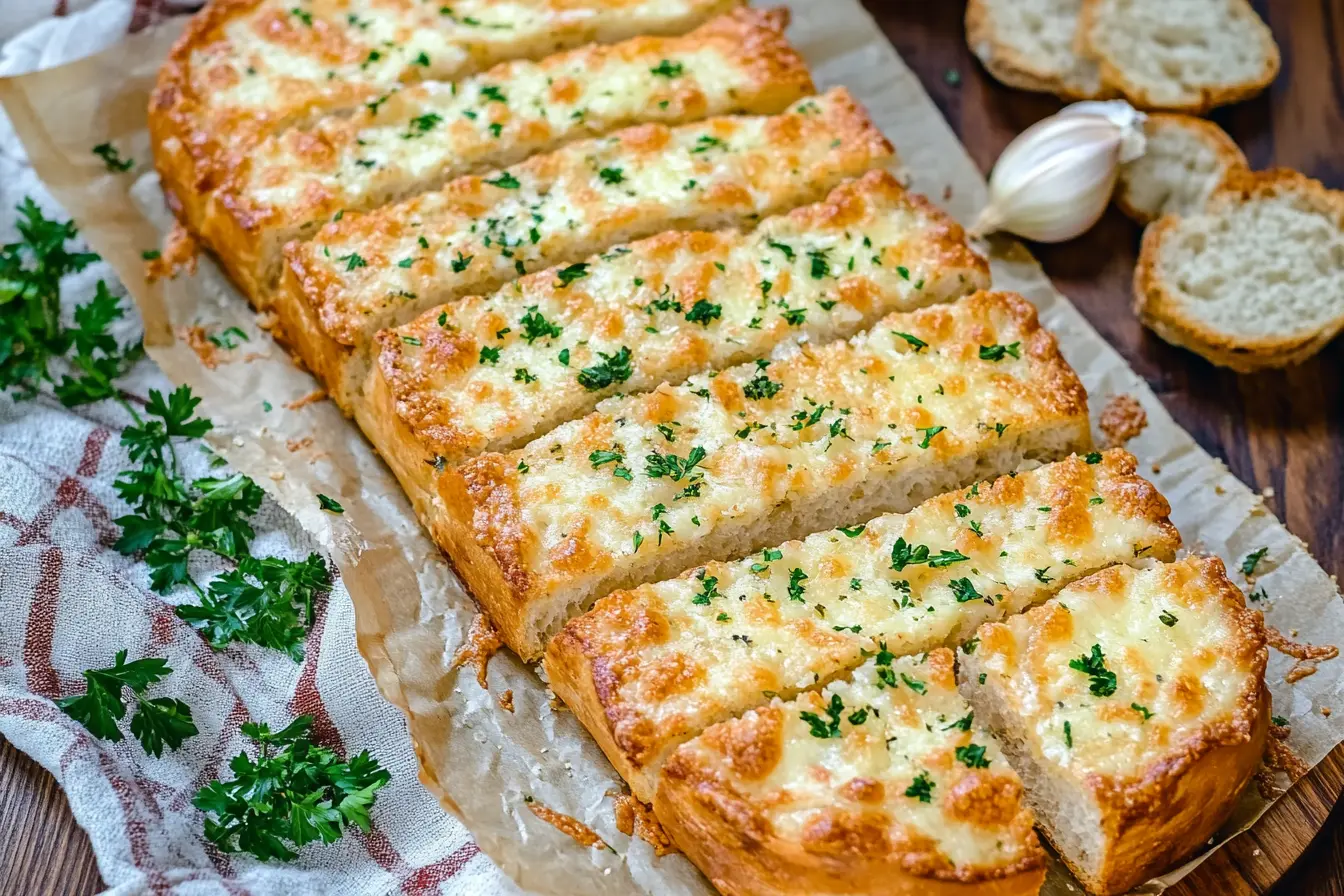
(1054, 180)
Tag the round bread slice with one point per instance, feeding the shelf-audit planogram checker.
(1185, 160)
(1183, 57)
(1255, 280)
(1029, 44)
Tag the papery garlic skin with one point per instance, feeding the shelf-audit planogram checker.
(1054, 180)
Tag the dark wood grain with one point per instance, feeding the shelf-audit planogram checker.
(1282, 431)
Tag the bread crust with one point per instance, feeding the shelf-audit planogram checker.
(864, 847)
(198, 137)
(1224, 148)
(429, 381)
(246, 223)
(1162, 310)
(1015, 68)
(519, 568)
(372, 270)
(632, 668)
(1113, 76)
(1157, 813)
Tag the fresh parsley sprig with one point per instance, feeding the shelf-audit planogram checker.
(32, 332)
(292, 794)
(157, 723)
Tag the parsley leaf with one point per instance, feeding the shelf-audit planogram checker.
(613, 369)
(536, 326)
(972, 756)
(293, 793)
(1252, 560)
(667, 69)
(1094, 664)
(997, 352)
(568, 275)
(829, 727)
(921, 788)
(157, 723)
(702, 312)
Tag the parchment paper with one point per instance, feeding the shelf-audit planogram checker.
(411, 612)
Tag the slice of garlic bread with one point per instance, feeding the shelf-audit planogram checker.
(647, 669)
(1134, 706)
(246, 68)
(369, 271)
(724, 465)
(678, 303)
(418, 138)
(884, 784)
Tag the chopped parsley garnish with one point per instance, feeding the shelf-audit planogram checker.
(961, 724)
(1042, 577)
(353, 260)
(921, 788)
(611, 175)
(1094, 665)
(492, 94)
(964, 590)
(604, 456)
(424, 123)
(489, 355)
(996, 352)
(852, 531)
(1093, 457)
(1068, 731)
(505, 181)
(536, 326)
(903, 555)
(702, 312)
(913, 684)
(329, 504)
(705, 143)
(972, 756)
(568, 275)
(915, 342)
(460, 262)
(111, 158)
(829, 727)
(523, 375)
(1166, 618)
(962, 510)
(673, 467)
(929, 433)
(613, 369)
(820, 266)
(1253, 560)
(708, 591)
(796, 586)
(782, 247)
(1141, 710)
(761, 387)
(667, 69)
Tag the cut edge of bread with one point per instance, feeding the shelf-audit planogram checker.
(1161, 309)
(1145, 194)
(1013, 66)
(1196, 101)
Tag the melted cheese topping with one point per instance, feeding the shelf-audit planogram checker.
(807, 611)
(678, 303)
(1178, 653)
(479, 232)
(892, 758)
(414, 139)
(642, 476)
(283, 59)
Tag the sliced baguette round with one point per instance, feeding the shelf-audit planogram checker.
(1183, 57)
(1185, 161)
(1255, 280)
(1029, 44)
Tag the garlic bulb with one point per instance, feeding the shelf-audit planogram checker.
(1054, 180)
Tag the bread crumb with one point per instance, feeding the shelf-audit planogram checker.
(199, 342)
(1122, 419)
(1325, 711)
(506, 700)
(277, 475)
(1157, 468)
(482, 643)
(1307, 655)
(179, 253)
(298, 444)
(1219, 490)
(636, 818)
(569, 825)
(311, 398)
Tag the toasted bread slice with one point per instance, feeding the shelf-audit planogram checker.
(1255, 279)
(1182, 57)
(1185, 160)
(370, 271)
(884, 784)
(1134, 706)
(650, 485)
(418, 138)
(1030, 44)
(679, 303)
(246, 68)
(647, 669)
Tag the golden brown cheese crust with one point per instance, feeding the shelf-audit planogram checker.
(368, 271)
(552, 521)
(244, 68)
(1167, 753)
(1163, 310)
(417, 138)
(647, 669)
(680, 302)
(882, 785)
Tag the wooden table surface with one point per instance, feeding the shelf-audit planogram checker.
(1283, 431)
